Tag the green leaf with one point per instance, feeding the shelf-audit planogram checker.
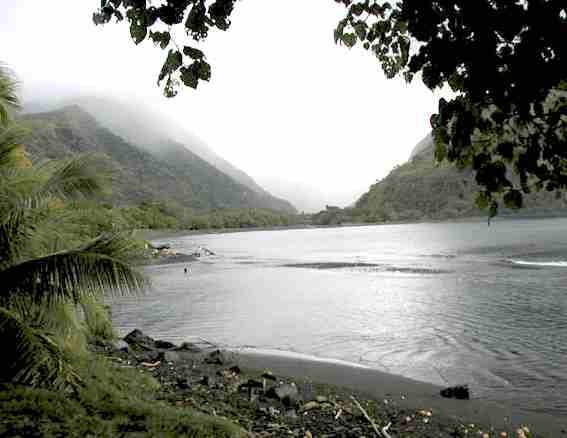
(161, 38)
(361, 30)
(349, 39)
(138, 32)
(193, 53)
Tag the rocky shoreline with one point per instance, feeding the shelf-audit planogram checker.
(267, 403)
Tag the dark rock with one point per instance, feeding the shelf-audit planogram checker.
(169, 356)
(183, 383)
(460, 392)
(268, 375)
(138, 340)
(120, 345)
(148, 356)
(250, 383)
(188, 346)
(165, 345)
(215, 358)
(234, 369)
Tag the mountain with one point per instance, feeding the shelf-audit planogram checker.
(178, 174)
(138, 124)
(422, 189)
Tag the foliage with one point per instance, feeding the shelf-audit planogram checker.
(423, 190)
(503, 116)
(43, 274)
(162, 214)
(198, 17)
(109, 401)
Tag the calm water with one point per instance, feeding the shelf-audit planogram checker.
(444, 303)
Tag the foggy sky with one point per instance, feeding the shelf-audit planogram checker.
(284, 104)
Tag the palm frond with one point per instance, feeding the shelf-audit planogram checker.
(97, 268)
(14, 235)
(9, 100)
(11, 138)
(31, 356)
(81, 176)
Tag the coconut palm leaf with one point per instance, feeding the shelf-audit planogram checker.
(31, 356)
(97, 268)
(11, 138)
(81, 176)
(9, 100)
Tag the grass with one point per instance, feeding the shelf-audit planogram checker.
(110, 402)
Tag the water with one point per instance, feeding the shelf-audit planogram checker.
(444, 303)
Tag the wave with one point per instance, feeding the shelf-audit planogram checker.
(557, 264)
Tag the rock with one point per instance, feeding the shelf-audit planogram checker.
(322, 399)
(235, 369)
(190, 347)
(165, 345)
(309, 406)
(120, 345)
(268, 375)
(250, 383)
(460, 392)
(170, 356)
(138, 340)
(215, 358)
(183, 383)
(286, 393)
(148, 356)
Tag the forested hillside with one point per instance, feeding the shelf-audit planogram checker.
(421, 189)
(176, 174)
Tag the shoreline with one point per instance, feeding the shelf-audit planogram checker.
(410, 394)
(159, 234)
(212, 380)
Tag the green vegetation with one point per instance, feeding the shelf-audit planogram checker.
(58, 261)
(422, 189)
(110, 401)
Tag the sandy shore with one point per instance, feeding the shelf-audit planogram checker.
(409, 394)
(218, 383)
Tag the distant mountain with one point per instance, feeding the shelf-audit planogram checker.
(181, 176)
(148, 129)
(422, 189)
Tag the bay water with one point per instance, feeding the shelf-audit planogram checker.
(447, 303)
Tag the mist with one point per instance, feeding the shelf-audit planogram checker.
(308, 120)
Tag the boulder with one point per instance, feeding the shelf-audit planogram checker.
(120, 345)
(169, 356)
(164, 345)
(460, 392)
(138, 340)
(215, 358)
(190, 347)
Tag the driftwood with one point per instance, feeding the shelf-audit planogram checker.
(382, 433)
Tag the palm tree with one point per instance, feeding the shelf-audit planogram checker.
(42, 278)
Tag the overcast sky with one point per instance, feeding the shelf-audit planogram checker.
(284, 104)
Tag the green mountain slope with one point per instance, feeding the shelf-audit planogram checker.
(178, 174)
(421, 189)
(149, 130)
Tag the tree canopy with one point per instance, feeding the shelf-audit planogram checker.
(504, 60)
